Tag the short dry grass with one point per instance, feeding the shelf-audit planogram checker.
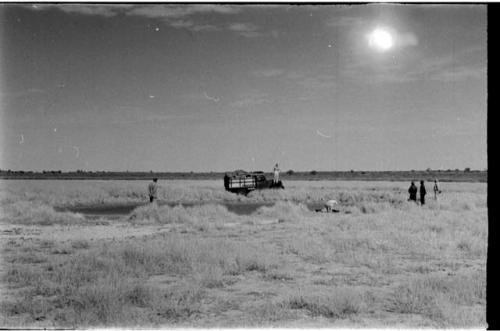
(381, 262)
(107, 284)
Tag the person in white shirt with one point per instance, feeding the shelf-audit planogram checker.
(276, 174)
(436, 189)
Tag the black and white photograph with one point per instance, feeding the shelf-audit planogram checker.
(258, 165)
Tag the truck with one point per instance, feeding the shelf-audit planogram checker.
(242, 182)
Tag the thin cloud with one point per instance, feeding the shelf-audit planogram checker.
(457, 66)
(451, 68)
(316, 82)
(458, 73)
(312, 81)
(180, 11)
(248, 30)
(107, 11)
(192, 26)
(132, 114)
(182, 24)
(151, 11)
(265, 6)
(346, 21)
(406, 39)
(174, 15)
(242, 27)
(251, 99)
(267, 73)
(96, 10)
(401, 39)
(177, 16)
(22, 93)
(204, 27)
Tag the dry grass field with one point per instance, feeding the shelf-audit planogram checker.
(380, 262)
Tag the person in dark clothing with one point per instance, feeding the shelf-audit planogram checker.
(422, 193)
(413, 192)
(153, 190)
(226, 181)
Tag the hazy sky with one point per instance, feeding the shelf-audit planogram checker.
(215, 88)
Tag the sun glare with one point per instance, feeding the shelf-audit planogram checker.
(380, 39)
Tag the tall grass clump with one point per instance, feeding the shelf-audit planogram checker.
(285, 211)
(198, 193)
(207, 216)
(269, 314)
(33, 213)
(108, 300)
(152, 213)
(337, 304)
(373, 207)
(77, 192)
(310, 247)
(202, 216)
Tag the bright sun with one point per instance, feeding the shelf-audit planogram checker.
(380, 39)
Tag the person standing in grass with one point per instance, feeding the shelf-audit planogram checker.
(413, 192)
(226, 181)
(436, 189)
(422, 193)
(276, 174)
(153, 190)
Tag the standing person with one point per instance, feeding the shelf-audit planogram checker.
(413, 192)
(436, 189)
(422, 193)
(276, 174)
(153, 190)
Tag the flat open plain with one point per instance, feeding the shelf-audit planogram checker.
(380, 262)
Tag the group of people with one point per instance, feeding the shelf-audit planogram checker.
(330, 205)
(413, 191)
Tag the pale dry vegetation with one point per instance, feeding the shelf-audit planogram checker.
(381, 262)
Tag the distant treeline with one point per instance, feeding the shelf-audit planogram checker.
(456, 175)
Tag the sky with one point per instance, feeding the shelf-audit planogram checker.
(210, 87)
